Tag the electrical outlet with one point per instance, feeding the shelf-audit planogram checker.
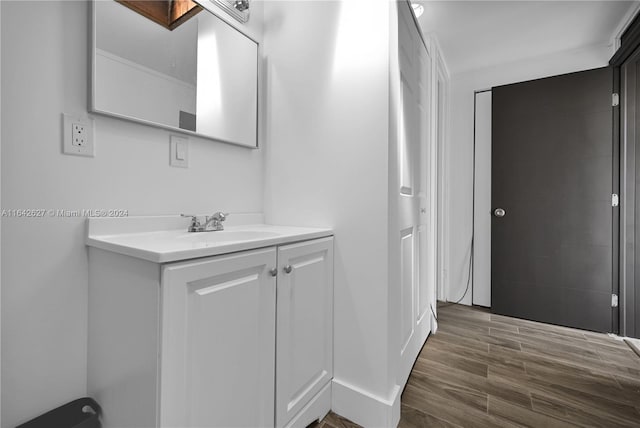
(77, 136)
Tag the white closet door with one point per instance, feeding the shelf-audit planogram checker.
(414, 192)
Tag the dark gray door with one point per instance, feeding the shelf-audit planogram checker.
(551, 252)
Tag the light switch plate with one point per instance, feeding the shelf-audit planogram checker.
(179, 152)
(77, 136)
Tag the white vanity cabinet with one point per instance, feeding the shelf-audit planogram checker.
(218, 348)
(304, 352)
(232, 340)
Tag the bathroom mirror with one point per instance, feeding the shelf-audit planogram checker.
(200, 78)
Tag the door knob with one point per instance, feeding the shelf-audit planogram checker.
(287, 269)
(273, 272)
(499, 212)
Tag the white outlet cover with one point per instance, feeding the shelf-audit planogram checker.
(179, 152)
(88, 149)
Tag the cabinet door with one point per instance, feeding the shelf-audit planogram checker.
(304, 325)
(218, 339)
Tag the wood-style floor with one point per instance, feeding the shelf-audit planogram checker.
(485, 370)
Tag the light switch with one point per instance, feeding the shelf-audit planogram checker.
(179, 152)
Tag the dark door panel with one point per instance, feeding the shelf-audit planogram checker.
(552, 174)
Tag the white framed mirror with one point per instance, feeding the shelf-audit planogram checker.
(199, 78)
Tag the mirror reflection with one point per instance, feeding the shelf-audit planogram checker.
(201, 76)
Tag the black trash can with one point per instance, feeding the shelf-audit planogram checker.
(80, 413)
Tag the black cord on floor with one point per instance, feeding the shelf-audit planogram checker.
(466, 290)
(444, 305)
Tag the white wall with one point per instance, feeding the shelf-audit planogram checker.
(327, 165)
(44, 276)
(0, 207)
(460, 141)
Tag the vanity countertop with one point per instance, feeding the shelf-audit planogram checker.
(165, 239)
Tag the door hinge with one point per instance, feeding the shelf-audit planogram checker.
(614, 300)
(615, 99)
(615, 200)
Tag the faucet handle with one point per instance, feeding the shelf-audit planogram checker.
(195, 223)
(193, 216)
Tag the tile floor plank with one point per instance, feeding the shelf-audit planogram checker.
(442, 408)
(412, 418)
(523, 417)
(458, 340)
(481, 356)
(462, 394)
(582, 349)
(481, 337)
(565, 331)
(472, 323)
(581, 416)
(455, 362)
(486, 386)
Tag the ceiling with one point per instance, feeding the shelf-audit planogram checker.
(478, 34)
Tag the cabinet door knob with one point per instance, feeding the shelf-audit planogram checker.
(287, 269)
(273, 272)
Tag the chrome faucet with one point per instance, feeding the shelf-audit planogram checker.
(211, 224)
(215, 221)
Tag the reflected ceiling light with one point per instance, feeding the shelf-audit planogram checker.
(418, 9)
(241, 5)
(239, 9)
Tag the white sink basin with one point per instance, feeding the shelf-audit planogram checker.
(228, 236)
(135, 237)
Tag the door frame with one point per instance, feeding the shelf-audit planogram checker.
(627, 286)
(616, 181)
(616, 232)
(440, 121)
(627, 46)
(476, 214)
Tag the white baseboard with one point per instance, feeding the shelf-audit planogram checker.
(364, 408)
(633, 344)
(434, 324)
(317, 409)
